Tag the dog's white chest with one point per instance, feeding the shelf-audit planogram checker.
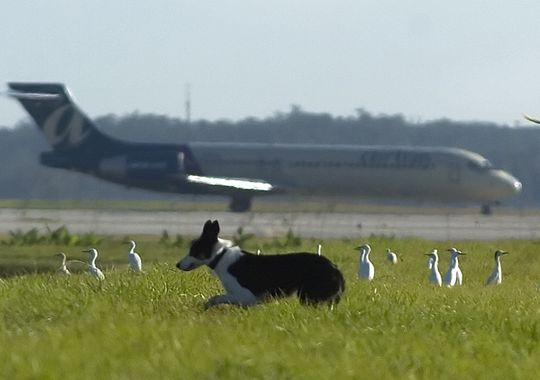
(230, 283)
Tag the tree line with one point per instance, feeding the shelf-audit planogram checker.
(515, 149)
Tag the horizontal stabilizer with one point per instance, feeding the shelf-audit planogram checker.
(234, 183)
(32, 95)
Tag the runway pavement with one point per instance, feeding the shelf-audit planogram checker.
(318, 225)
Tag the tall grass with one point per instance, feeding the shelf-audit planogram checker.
(153, 325)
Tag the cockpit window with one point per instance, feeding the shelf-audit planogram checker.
(480, 165)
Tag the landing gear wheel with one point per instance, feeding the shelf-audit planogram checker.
(240, 203)
(486, 210)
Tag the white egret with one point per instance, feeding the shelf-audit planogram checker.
(434, 276)
(496, 276)
(453, 276)
(258, 252)
(92, 268)
(366, 269)
(63, 268)
(391, 256)
(459, 274)
(134, 259)
(319, 249)
(430, 260)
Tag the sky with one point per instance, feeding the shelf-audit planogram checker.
(464, 60)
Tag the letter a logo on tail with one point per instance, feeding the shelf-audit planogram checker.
(65, 127)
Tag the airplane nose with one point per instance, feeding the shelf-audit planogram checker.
(508, 184)
(517, 186)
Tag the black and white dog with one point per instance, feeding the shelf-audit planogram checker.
(249, 278)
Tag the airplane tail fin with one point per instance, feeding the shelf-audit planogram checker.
(64, 125)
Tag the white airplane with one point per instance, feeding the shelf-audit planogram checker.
(242, 170)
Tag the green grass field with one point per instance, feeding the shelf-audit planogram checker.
(154, 326)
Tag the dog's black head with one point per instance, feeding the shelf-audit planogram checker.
(203, 249)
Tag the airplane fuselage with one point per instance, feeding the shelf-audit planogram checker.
(423, 173)
(431, 173)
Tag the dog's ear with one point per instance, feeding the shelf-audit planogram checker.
(211, 229)
(215, 225)
(207, 226)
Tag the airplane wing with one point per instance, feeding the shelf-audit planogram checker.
(530, 118)
(233, 183)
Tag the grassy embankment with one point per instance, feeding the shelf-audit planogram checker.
(153, 325)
